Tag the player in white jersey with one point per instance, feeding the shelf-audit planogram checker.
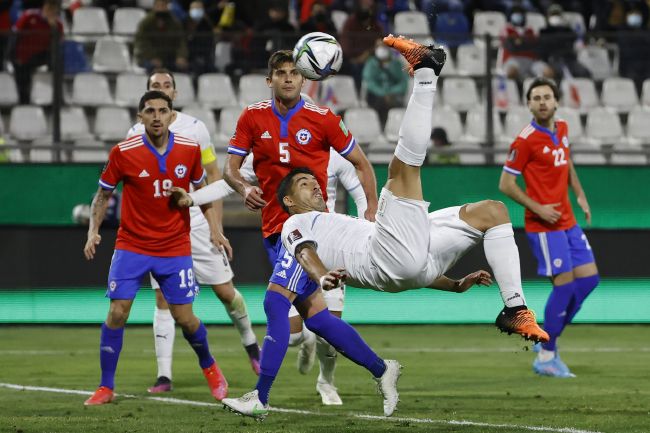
(407, 247)
(338, 169)
(211, 264)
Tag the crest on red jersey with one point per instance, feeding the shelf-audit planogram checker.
(180, 171)
(303, 136)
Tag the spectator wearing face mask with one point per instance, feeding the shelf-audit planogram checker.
(633, 44)
(200, 39)
(319, 20)
(384, 80)
(520, 49)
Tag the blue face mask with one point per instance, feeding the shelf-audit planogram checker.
(196, 14)
(634, 20)
(517, 19)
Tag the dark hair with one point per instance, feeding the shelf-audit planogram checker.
(161, 71)
(154, 94)
(287, 182)
(279, 58)
(541, 81)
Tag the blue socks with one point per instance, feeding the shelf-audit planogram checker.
(110, 346)
(583, 288)
(276, 341)
(556, 312)
(199, 342)
(346, 340)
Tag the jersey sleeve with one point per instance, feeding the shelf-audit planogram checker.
(518, 157)
(112, 173)
(297, 231)
(137, 129)
(241, 142)
(197, 173)
(347, 175)
(203, 137)
(338, 135)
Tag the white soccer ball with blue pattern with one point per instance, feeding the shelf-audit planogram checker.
(318, 56)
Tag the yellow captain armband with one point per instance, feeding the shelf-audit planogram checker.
(208, 156)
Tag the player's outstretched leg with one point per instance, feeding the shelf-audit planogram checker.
(326, 354)
(164, 330)
(305, 339)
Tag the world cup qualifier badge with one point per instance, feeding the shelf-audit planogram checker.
(180, 171)
(565, 141)
(303, 136)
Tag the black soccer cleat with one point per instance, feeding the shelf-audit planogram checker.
(418, 55)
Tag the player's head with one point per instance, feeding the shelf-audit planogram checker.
(542, 96)
(155, 113)
(162, 80)
(299, 192)
(284, 79)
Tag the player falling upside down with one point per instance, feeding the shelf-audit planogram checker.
(393, 254)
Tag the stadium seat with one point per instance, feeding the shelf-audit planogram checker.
(92, 151)
(596, 60)
(638, 126)
(125, 22)
(216, 91)
(535, 21)
(222, 55)
(41, 89)
(603, 126)
(619, 94)
(74, 124)
(144, 4)
(185, 89)
(575, 21)
(467, 158)
(489, 22)
(91, 89)
(470, 60)
(452, 29)
(645, 92)
(344, 92)
(516, 119)
(339, 18)
(112, 124)
(111, 55)
(203, 114)
(476, 125)
(460, 93)
(129, 87)
(9, 94)
(227, 124)
(449, 119)
(579, 93)
(74, 58)
(411, 24)
(365, 126)
(27, 123)
(89, 24)
(505, 93)
(253, 88)
(393, 123)
(572, 118)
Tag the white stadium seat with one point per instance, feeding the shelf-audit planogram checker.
(203, 114)
(365, 126)
(344, 91)
(111, 55)
(253, 88)
(74, 124)
(41, 88)
(603, 126)
(112, 124)
(572, 118)
(476, 127)
(89, 23)
(470, 60)
(489, 22)
(91, 89)
(460, 93)
(184, 89)
(596, 59)
(449, 119)
(125, 22)
(9, 94)
(412, 24)
(27, 123)
(129, 88)
(619, 94)
(216, 91)
(585, 89)
(393, 123)
(227, 124)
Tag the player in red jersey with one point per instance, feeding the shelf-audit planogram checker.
(541, 154)
(153, 236)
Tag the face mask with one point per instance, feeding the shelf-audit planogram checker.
(634, 20)
(382, 53)
(555, 20)
(196, 14)
(517, 19)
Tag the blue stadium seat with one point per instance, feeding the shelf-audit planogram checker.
(452, 29)
(74, 58)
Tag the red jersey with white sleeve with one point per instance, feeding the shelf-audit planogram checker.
(149, 224)
(542, 156)
(301, 138)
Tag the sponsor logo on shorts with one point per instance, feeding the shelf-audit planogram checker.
(112, 285)
(557, 262)
(303, 136)
(294, 236)
(180, 171)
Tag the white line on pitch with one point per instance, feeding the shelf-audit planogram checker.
(307, 412)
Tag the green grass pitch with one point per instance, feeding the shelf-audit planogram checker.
(458, 378)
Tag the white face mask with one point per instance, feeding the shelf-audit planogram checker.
(555, 20)
(382, 53)
(196, 14)
(634, 20)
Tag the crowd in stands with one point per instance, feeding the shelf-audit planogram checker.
(583, 44)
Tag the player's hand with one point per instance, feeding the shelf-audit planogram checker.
(89, 249)
(548, 213)
(180, 197)
(478, 278)
(370, 213)
(584, 205)
(253, 198)
(222, 242)
(333, 279)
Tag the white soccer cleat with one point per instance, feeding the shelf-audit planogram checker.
(387, 385)
(248, 404)
(307, 353)
(328, 394)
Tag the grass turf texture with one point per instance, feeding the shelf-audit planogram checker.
(451, 373)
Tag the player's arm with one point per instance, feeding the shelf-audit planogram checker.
(233, 176)
(97, 213)
(214, 213)
(367, 178)
(446, 284)
(508, 186)
(348, 177)
(581, 197)
(310, 261)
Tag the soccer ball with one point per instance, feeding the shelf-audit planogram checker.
(318, 56)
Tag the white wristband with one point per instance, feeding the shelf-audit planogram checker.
(320, 281)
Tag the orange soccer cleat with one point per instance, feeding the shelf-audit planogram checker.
(418, 55)
(216, 381)
(103, 395)
(521, 320)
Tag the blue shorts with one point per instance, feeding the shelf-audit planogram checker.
(287, 272)
(174, 274)
(560, 251)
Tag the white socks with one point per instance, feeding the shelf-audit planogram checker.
(327, 359)
(164, 331)
(503, 256)
(239, 316)
(415, 131)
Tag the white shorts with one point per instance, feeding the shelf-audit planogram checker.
(333, 298)
(211, 266)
